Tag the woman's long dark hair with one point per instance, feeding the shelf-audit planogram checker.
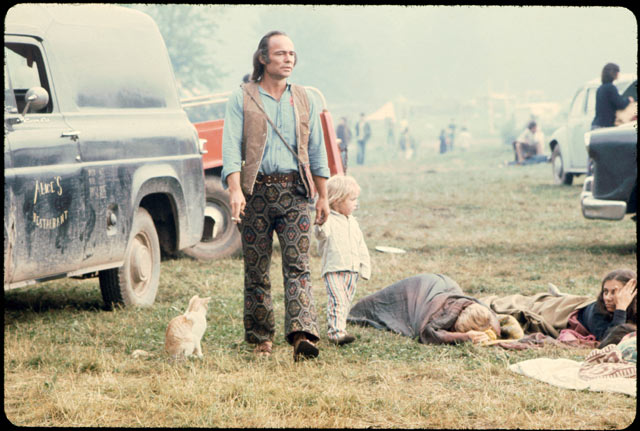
(609, 72)
(623, 276)
(263, 52)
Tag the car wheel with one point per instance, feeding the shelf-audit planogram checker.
(136, 282)
(220, 237)
(557, 166)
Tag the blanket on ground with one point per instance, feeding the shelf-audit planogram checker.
(608, 369)
(542, 312)
(425, 306)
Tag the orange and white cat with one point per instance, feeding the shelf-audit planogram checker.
(185, 332)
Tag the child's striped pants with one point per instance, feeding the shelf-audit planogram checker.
(341, 288)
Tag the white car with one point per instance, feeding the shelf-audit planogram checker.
(569, 156)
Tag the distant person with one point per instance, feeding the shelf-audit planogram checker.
(528, 147)
(452, 134)
(407, 144)
(608, 100)
(443, 141)
(363, 133)
(391, 134)
(345, 257)
(344, 134)
(464, 139)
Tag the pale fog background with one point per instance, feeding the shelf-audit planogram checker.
(489, 69)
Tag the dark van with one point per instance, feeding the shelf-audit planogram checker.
(102, 168)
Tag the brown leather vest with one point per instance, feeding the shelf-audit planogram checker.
(254, 135)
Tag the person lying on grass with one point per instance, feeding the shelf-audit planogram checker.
(431, 307)
(574, 318)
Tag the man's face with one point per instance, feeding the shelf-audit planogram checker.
(282, 57)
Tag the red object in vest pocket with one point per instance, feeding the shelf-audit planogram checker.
(291, 100)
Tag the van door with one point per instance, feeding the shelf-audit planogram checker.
(45, 217)
(579, 123)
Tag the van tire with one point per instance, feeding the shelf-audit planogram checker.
(557, 168)
(227, 240)
(136, 282)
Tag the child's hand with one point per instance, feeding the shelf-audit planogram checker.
(477, 336)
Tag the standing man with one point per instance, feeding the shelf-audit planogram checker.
(363, 133)
(344, 134)
(268, 191)
(452, 134)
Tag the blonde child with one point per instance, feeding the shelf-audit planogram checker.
(345, 256)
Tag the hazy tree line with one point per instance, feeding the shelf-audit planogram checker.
(436, 56)
(191, 33)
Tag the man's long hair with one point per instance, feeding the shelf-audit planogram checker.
(263, 52)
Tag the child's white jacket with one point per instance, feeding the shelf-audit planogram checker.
(341, 245)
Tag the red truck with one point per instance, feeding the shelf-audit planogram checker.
(220, 237)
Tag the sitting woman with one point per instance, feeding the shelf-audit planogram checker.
(575, 317)
(430, 307)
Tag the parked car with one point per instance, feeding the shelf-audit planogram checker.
(102, 167)
(612, 190)
(568, 153)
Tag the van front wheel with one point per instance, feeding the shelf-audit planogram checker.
(136, 282)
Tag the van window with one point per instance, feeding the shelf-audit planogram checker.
(105, 69)
(577, 108)
(26, 69)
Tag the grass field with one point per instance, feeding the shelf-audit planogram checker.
(495, 230)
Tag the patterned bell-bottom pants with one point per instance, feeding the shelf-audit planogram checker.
(277, 207)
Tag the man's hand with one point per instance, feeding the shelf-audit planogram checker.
(322, 204)
(625, 295)
(322, 210)
(236, 197)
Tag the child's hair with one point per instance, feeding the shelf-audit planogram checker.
(474, 317)
(340, 187)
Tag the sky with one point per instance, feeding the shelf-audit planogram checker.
(436, 52)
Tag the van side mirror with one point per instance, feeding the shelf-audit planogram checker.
(36, 98)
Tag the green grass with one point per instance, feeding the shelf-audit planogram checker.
(495, 230)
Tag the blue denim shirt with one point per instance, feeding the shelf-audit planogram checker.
(277, 158)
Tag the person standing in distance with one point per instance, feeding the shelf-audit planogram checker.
(363, 133)
(608, 100)
(268, 191)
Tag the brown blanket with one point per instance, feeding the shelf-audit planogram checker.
(543, 312)
(425, 306)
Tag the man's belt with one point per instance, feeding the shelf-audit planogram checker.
(278, 178)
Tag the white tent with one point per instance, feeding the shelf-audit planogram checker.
(385, 111)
